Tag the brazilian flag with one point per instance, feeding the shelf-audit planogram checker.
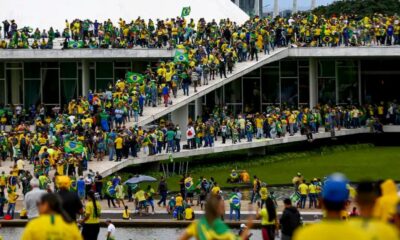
(181, 57)
(132, 77)
(73, 147)
(185, 11)
(75, 44)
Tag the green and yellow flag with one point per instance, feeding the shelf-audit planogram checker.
(73, 147)
(181, 57)
(132, 77)
(75, 44)
(185, 11)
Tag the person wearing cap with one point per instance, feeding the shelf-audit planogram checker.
(334, 198)
(32, 198)
(365, 199)
(385, 205)
(71, 203)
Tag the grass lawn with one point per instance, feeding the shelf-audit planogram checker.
(357, 162)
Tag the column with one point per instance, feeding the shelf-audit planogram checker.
(294, 10)
(257, 8)
(16, 85)
(85, 77)
(276, 8)
(198, 108)
(313, 4)
(237, 2)
(180, 116)
(313, 81)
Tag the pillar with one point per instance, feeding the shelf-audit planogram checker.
(16, 85)
(257, 8)
(237, 2)
(313, 4)
(313, 81)
(294, 10)
(85, 77)
(198, 108)
(276, 8)
(180, 116)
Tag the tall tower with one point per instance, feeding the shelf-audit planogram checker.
(276, 8)
(313, 4)
(257, 8)
(294, 10)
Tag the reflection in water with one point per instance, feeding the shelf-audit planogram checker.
(123, 233)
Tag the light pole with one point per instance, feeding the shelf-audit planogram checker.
(313, 4)
(276, 8)
(294, 10)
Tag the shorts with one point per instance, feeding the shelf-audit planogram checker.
(150, 202)
(142, 204)
(118, 120)
(189, 195)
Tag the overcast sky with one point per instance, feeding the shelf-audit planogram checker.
(287, 4)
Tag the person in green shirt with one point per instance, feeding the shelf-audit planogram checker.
(170, 137)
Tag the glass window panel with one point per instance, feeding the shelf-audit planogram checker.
(14, 86)
(289, 91)
(14, 65)
(68, 70)
(254, 73)
(50, 64)
(326, 68)
(234, 108)
(122, 64)
(348, 84)
(326, 90)
(120, 73)
(2, 92)
(2, 71)
(140, 66)
(273, 64)
(289, 68)
(251, 95)
(104, 70)
(304, 86)
(68, 91)
(233, 91)
(50, 86)
(347, 63)
(304, 63)
(92, 80)
(102, 84)
(32, 92)
(270, 85)
(32, 70)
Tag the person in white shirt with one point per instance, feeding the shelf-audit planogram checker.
(110, 230)
(32, 198)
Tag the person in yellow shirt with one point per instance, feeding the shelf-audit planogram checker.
(91, 221)
(263, 194)
(179, 205)
(334, 197)
(216, 189)
(52, 222)
(365, 199)
(140, 197)
(269, 219)
(303, 189)
(189, 213)
(118, 147)
(312, 194)
(385, 206)
(126, 214)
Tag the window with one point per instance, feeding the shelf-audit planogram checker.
(304, 86)
(348, 84)
(326, 68)
(32, 70)
(270, 85)
(32, 92)
(251, 95)
(289, 91)
(326, 90)
(233, 91)
(68, 70)
(50, 86)
(289, 68)
(104, 70)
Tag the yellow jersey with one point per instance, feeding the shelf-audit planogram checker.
(189, 213)
(93, 216)
(51, 227)
(377, 230)
(330, 230)
(118, 143)
(140, 196)
(303, 188)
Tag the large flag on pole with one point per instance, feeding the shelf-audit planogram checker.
(181, 57)
(185, 11)
(132, 77)
(73, 147)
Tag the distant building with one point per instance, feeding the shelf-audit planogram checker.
(251, 7)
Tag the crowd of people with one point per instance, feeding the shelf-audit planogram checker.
(298, 30)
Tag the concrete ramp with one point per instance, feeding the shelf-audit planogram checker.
(153, 113)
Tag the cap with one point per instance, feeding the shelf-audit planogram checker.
(243, 225)
(63, 181)
(335, 188)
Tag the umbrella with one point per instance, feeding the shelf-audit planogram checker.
(139, 179)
